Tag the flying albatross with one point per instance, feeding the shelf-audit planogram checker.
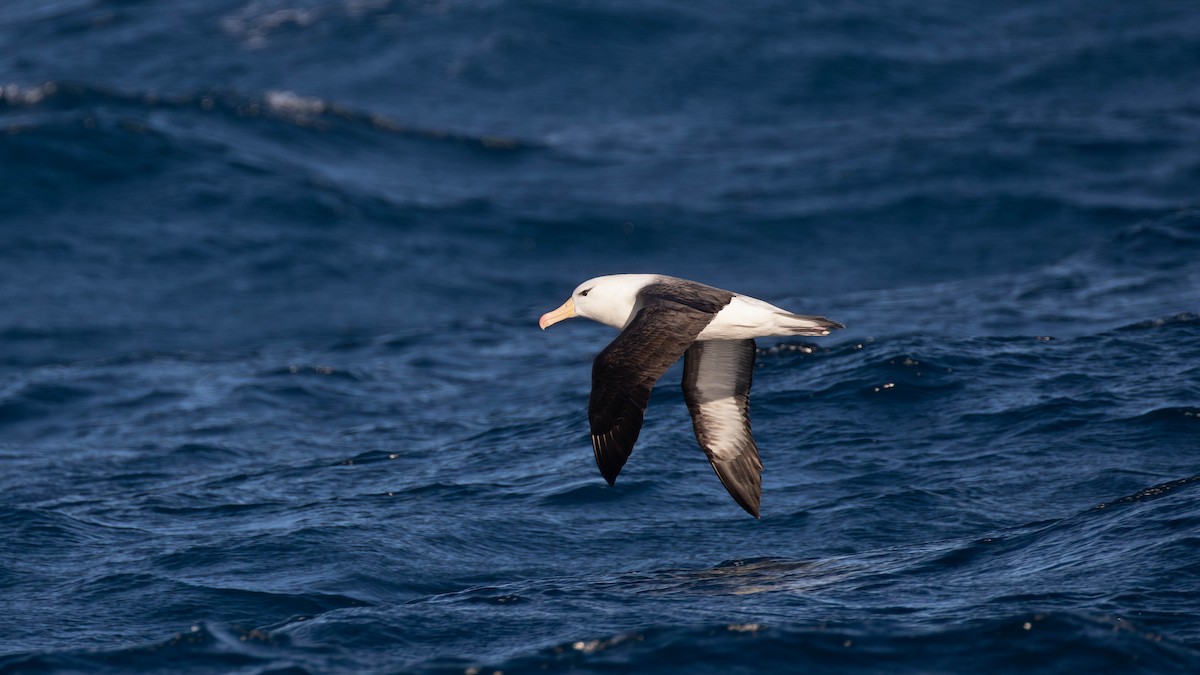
(662, 318)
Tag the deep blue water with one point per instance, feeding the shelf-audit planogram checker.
(273, 397)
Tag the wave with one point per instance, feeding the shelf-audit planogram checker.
(204, 647)
(274, 155)
(1140, 276)
(1081, 643)
(1155, 491)
(794, 611)
(89, 103)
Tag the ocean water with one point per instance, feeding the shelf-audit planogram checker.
(273, 398)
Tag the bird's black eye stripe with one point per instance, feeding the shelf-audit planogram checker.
(584, 292)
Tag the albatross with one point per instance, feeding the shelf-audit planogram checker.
(662, 318)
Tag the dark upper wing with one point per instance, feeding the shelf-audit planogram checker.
(625, 372)
(716, 386)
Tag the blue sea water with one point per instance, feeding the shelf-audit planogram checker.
(273, 398)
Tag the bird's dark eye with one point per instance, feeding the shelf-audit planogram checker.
(584, 292)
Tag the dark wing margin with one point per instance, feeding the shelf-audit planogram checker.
(625, 372)
(716, 386)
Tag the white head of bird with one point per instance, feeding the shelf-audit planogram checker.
(611, 300)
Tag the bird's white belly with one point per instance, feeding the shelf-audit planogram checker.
(744, 318)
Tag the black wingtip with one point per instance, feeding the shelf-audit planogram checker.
(827, 323)
(610, 469)
(752, 509)
(744, 497)
(742, 478)
(610, 456)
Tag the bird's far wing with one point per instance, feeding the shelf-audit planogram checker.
(716, 386)
(625, 372)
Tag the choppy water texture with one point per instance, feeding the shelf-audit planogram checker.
(273, 397)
